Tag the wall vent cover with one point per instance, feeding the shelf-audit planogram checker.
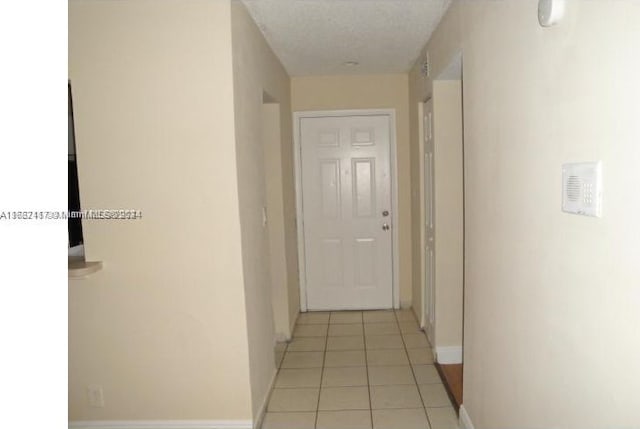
(575, 187)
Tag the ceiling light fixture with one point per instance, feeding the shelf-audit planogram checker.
(351, 63)
(550, 12)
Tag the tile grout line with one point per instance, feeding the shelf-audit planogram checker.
(366, 366)
(367, 361)
(413, 371)
(324, 358)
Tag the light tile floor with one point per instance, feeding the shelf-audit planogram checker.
(358, 370)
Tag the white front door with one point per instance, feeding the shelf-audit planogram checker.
(429, 209)
(346, 204)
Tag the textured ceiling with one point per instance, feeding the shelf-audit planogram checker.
(316, 37)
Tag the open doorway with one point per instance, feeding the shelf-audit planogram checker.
(74, 224)
(272, 218)
(443, 224)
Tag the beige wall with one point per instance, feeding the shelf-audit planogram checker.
(257, 71)
(271, 138)
(370, 92)
(449, 221)
(550, 298)
(163, 326)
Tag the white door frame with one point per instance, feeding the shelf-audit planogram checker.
(297, 145)
(425, 323)
(423, 232)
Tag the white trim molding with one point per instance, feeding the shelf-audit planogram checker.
(162, 424)
(281, 338)
(449, 355)
(285, 337)
(395, 243)
(293, 326)
(465, 420)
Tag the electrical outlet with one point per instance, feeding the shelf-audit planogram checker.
(95, 395)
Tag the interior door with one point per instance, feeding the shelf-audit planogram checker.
(347, 220)
(429, 210)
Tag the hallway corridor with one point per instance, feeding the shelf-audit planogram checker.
(358, 370)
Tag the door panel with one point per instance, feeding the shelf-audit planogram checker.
(365, 258)
(364, 187)
(346, 187)
(330, 187)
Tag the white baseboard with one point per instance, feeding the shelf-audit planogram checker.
(162, 424)
(293, 325)
(281, 337)
(405, 305)
(465, 420)
(449, 355)
(285, 337)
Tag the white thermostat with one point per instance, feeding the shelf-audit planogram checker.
(582, 188)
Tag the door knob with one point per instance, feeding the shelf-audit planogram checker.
(385, 227)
